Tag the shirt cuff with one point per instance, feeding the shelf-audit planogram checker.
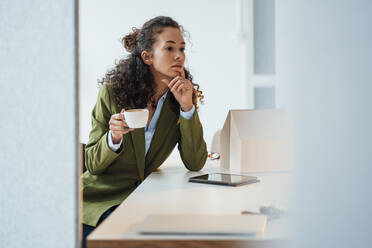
(188, 115)
(113, 147)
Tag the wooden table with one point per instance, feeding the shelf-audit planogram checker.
(168, 191)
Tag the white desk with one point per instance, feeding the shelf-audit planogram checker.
(168, 191)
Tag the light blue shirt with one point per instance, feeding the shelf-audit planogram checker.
(150, 129)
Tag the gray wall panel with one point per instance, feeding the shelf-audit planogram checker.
(324, 78)
(38, 206)
(264, 36)
(264, 97)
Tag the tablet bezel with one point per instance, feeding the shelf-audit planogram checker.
(197, 179)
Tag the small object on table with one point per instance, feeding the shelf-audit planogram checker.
(214, 155)
(270, 211)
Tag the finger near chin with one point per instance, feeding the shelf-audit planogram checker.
(174, 80)
(179, 84)
(170, 85)
(180, 88)
(175, 88)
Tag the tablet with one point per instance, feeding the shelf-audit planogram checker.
(224, 179)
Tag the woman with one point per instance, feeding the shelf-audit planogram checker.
(153, 76)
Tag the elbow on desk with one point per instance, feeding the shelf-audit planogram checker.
(196, 164)
(194, 168)
(194, 159)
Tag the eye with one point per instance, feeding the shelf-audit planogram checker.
(182, 49)
(169, 48)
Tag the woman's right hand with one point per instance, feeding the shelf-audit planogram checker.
(118, 127)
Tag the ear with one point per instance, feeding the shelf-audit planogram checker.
(146, 57)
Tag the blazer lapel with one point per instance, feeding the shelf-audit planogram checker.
(165, 121)
(138, 138)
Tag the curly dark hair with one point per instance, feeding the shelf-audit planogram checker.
(132, 80)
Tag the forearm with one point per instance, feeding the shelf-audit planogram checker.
(192, 147)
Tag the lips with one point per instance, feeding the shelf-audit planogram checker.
(177, 66)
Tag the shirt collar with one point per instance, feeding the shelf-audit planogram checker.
(164, 95)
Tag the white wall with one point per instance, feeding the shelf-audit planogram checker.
(38, 165)
(324, 59)
(215, 57)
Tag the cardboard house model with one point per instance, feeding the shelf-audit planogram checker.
(255, 141)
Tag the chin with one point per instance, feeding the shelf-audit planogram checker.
(172, 74)
(176, 73)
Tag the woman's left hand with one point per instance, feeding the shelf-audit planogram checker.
(182, 91)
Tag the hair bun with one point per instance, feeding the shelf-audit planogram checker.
(129, 41)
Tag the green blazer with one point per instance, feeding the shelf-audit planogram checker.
(112, 176)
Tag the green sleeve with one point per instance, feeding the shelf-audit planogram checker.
(192, 147)
(98, 155)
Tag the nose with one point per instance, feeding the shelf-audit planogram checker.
(179, 55)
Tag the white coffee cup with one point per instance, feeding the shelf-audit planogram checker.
(136, 118)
